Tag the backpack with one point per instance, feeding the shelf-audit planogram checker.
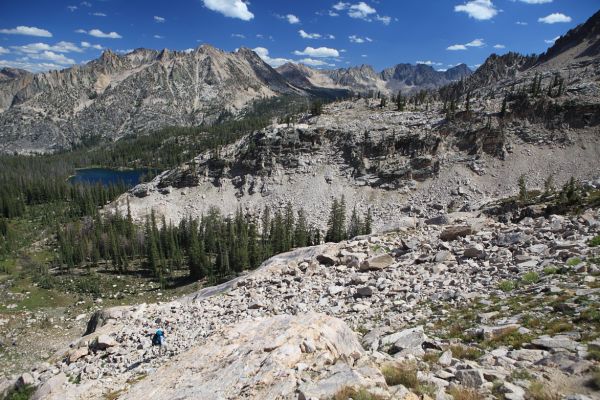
(155, 340)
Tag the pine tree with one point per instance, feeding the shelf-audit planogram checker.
(355, 228)
(522, 188)
(368, 225)
(504, 106)
(301, 234)
(400, 103)
(468, 102)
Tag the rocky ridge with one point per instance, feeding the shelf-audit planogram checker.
(461, 300)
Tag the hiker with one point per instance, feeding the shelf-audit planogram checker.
(159, 340)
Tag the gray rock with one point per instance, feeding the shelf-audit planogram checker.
(409, 341)
(439, 220)
(446, 358)
(454, 232)
(103, 342)
(472, 378)
(556, 342)
(365, 291)
(377, 263)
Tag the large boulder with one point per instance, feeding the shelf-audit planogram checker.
(377, 263)
(454, 232)
(266, 359)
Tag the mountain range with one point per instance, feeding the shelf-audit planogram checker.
(145, 90)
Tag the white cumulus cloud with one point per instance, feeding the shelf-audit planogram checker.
(88, 45)
(306, 35)
(274, 62)
(29, 66)
(158, 19)
(555, 18)
(315, 63)
(551, 41)
(499, 46)
(321, 52)
(360, 10)
(3, 50)
(456, 47)
(99, 34)
(27, 30)
(292, 19)
(99, 14)
(429, 63)
(472, 43)
(478, 9)
(230, 8)
(476, 43)
(358, 39)
(53, 57)
(60, 47)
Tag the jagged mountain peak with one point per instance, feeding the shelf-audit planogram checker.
(581, 41)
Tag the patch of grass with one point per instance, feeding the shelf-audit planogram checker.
(507, 286)
(465, 352)
(551, 270)
(591, 315)
(406, 374)
(351, 393)
(513, 338)
(594, 242)
(530, 278)
(136, 379)
(431, 357)
(464, 393)
(22, 393)
(531, 322)
(520, 374)
(401, 374)
(558, 326)
(114, 395)
(538, 391)
(593, 353)
(574, 261)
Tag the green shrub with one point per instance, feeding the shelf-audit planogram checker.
(574, 261)
(538, 391)
(507, 286)
(530, 277)
(464, 393)
(22, 393)
(465, 352)
(594, 242)
(401, 374)
(593, 353)
(550, 270)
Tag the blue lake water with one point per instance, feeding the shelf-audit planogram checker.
(107, 176)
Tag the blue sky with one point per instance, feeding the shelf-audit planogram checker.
(40, 34)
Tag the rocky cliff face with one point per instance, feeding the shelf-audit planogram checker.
(396, 162)
(137, 92)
